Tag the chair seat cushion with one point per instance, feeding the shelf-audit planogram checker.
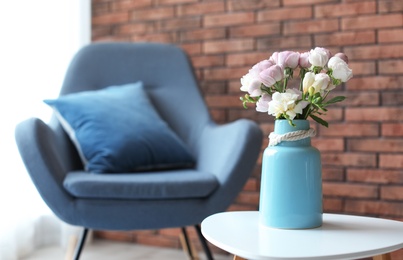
(177, 184)
(117, 129)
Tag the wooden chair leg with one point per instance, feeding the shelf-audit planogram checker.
(73, 240)
(239, 258)
(382, 257)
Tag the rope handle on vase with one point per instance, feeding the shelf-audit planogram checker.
(275, 139)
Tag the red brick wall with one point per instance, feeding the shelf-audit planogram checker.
(362, 150)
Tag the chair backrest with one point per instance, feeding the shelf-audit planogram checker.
(164, 69)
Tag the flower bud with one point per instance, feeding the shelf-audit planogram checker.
(311, 91)
(308, 81)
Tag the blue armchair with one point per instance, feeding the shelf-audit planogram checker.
(224, 155)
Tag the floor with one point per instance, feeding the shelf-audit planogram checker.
(103, 250)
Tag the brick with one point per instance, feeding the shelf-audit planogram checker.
(224, 73)
(392, 193)
(174, 2)
(227, 19)
(390, 6)
(349, 159)
(375, 145)
(311, 26)
(172, 232)
(111, 38)
(267, 128)
(241, 5)
(284, 42)
(127, 5)
(360, 99)
(192, 48)
(375, 52)
(133, 28)
(99, 9)
(371, 21)
(152, 14)
(390, 35)
(255, 30)
(252, 185)
(202, 34)
(208, 61)
(333, 115)
(375, 114)
(349, 190)
(201, 8)
(218, 115)
(391, 161)
(126, 236)
(306, 2)
(284, 14)
(245, 59)
(391, 67)
(156, 37)
(238, 207)
(248, 198)
(220, 101)
(332, 174)
(228, 46)
(375, 83)
(392, 129)
(345, 38)
(345, 9)
(100, 31)
(179, 24)
(111, 18)
(332, 204)
(375, 176)
(156, 240)
(392, 98)
(213, 87)
(366, 207)
(351, 130)
(363, 68)
(328, 144)
(234, 114)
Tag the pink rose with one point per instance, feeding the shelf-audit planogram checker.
(271, 75)
(304, 60)
(286, 59)
(263, 104)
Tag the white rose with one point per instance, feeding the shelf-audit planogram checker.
(286, 103)
(340, 69)
(250, 84)
(318, 57)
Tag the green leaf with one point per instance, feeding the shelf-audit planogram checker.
(319, 120)
(335, 100)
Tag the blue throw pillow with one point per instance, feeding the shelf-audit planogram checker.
(117, 130)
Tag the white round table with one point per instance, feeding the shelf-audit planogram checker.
(340, 237)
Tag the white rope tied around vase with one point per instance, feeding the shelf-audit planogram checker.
(275, 139)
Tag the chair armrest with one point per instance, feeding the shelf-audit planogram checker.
(43, 158)
(230, 152)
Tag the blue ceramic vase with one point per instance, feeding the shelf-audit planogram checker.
(291, 183)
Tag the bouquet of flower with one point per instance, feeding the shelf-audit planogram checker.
(320, 72)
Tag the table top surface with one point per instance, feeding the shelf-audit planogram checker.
(340, 237)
